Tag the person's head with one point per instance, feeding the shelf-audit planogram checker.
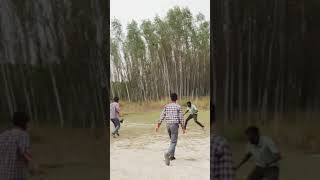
(116, 99)
(20, 120)
(174, 97)
(253, 134)
(189, 104)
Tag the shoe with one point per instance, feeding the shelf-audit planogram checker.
(113, 135)
(167, 160)
(172, 158)
(118, 134)
(121, 121)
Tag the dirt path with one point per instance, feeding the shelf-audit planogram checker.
(142, 156)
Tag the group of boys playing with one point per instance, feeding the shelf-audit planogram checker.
(261, 149)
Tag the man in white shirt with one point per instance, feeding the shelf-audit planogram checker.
(115, 116)
(265, 154)
(192, 109)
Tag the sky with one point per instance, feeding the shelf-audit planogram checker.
(127, 10)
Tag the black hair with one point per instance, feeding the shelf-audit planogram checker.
(173, 96)
(188, 102)
(20, 119)
(252, 130)
(116, 99)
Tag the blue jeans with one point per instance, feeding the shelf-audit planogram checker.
(116, 124)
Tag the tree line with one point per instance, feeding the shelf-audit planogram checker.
(169, 54)
(53, 62)
(265, 58)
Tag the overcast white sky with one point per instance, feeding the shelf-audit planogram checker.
(127, 10)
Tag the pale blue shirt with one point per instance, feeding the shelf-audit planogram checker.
(193, 109)
(264, 152)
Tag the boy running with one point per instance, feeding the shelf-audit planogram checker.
(115, 116)
(172, 114)
(193, 114)
(265, 154)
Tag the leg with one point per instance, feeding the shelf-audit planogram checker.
(117, 126)
(272, 173)
(195, 117)
(256, 174)
(114, 123)
(169, 131)
(189, 117)
(174, 129)
(167, 155)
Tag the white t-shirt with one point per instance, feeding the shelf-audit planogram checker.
(264, 152)
(193, 109)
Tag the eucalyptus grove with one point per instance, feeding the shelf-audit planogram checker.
(152, 59)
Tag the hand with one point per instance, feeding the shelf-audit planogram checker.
(33, 169)
(157, 129)
(183, 130)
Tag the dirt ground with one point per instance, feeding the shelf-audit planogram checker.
(70, 154)
(139, 151)
(76, 154)
(295, 164)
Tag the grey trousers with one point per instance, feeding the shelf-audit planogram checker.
(173, 130)
(116, 124)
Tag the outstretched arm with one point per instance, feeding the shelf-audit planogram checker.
(186, 112)
(33, 168)
(24, 150)
(162, 116)
(244, 160)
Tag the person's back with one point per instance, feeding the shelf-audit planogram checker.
(114, 110)
(221, 159)
(13, 143)
(115, 115)
(172, 113)
(173, 116)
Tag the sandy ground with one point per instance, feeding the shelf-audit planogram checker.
(142, 155)
(70, 154)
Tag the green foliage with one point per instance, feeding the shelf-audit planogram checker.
(161, 56)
